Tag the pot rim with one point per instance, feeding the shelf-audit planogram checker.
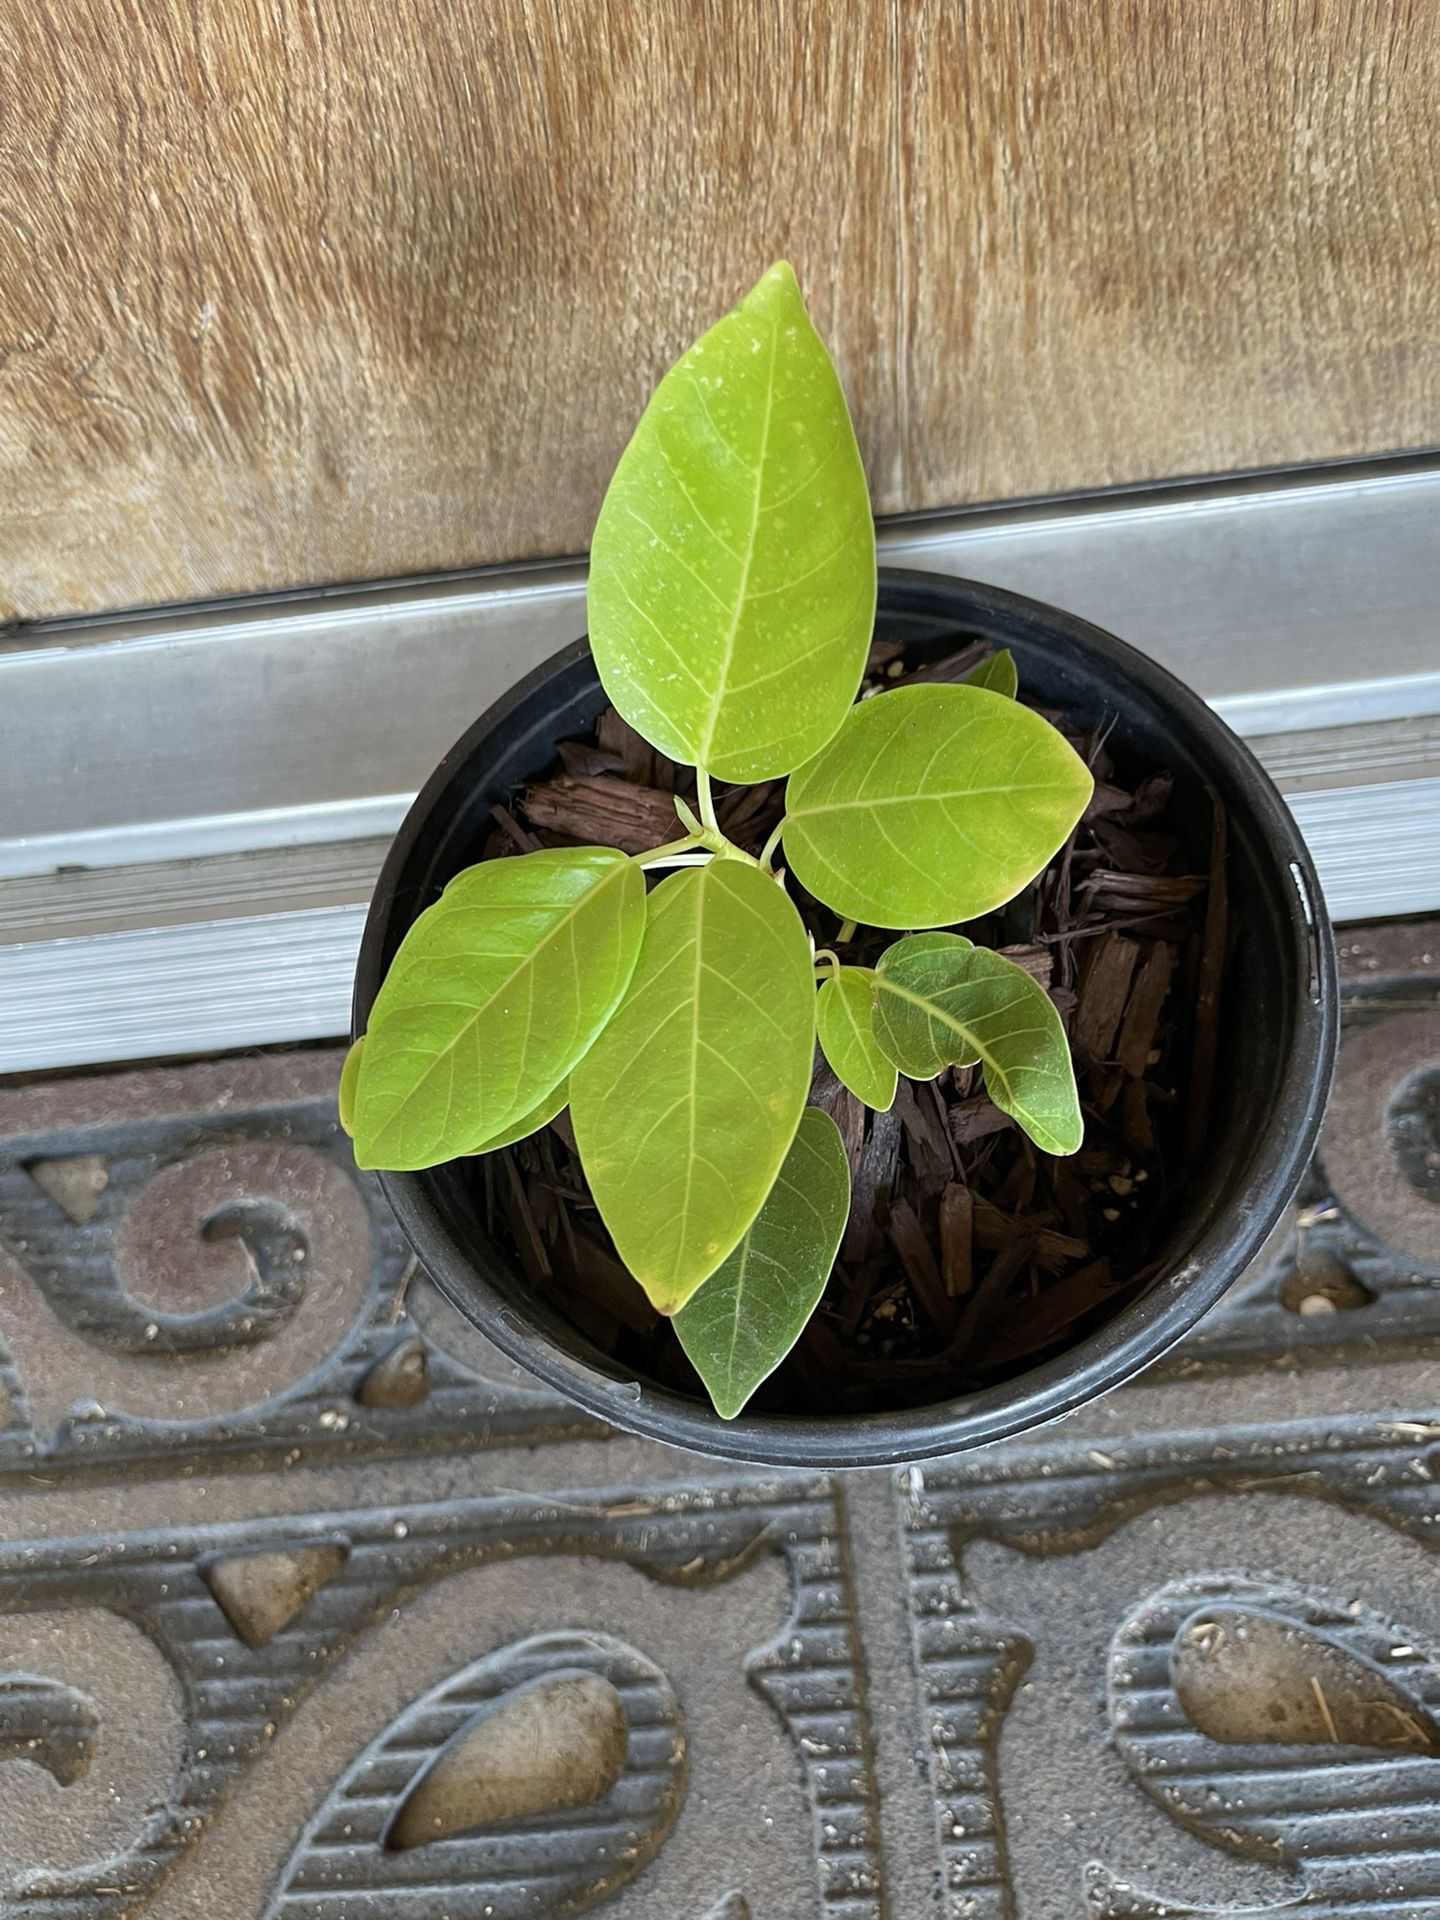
(1139, 1334)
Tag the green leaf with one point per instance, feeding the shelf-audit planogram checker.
(539, 1116)
(932, 804)
(496, 992)
(998, 673)
(939, 1000)
(686, 1105)
(349, 1079)
(843, 1018)
(916, 1033)
(748, 1315)
(732, 571)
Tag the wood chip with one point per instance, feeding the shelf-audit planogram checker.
(1135, 852)
(873, 1178)
(580, 758)
(1135, 1122)
(957, 1219)
(1106, 802)
(972, 1119)
(1058, 1308)
(917, 1256)
(850, 1118)
(618, 737)
(1143, 1010)
(511, 828)
(930, 1153)
(1150, 799)
(1110, 892)
(1106, 973)
(1038, 962)
(995, 1229)
(985, 1298)
(604, 811)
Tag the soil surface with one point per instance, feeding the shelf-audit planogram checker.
(969, 1255)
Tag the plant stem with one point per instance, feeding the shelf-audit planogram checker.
(688, 820)
(847, 932)
(727, 849)
(658, 854)
(706, 799)
(833, 966)
(694, 850)
(768, 850)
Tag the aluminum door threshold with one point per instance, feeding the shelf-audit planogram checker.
(197, 800)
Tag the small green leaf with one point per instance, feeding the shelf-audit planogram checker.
(939, 1000)
(932, 804)
(686, 1105)
(847, 1037)
(732, 571)
(741, 1324)
(912, 1027)
(998, 673)
(496, 992)
(521, 1129)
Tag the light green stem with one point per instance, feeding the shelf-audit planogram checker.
(727, 849)
(709, 840)
(688, 820)
(671, 847)
(706, 799)
(847, 932)
(767, 852)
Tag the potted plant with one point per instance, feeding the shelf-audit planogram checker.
(588, 1002)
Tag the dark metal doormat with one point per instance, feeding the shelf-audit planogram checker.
(313, 1609)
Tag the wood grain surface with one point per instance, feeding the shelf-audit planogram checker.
(309, 290)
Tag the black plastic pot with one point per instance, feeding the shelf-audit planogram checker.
(1278, 1037)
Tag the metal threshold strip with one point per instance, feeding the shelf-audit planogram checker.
(196, 801)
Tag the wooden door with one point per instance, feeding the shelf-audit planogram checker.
(310, 290)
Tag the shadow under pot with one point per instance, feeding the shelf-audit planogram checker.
(1183, 936)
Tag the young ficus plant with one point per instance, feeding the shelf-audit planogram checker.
(731, 603)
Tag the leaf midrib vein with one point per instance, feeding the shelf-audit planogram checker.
(694, 1086)
(934, 1011)
(588, 898)
(718, 696)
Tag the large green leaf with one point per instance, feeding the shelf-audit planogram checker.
(540, 1115)
(732, 572)
(844, 1022)
(740, 1325)
(686, 1105)
(496, 992)
(349, 1080)
(932, 804)
(939, 1000)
